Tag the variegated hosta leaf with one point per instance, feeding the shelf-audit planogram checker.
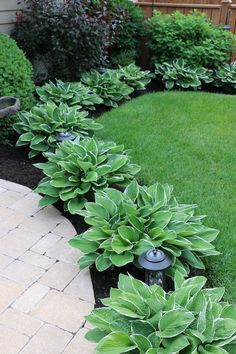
(79, 168)
(134, 77)
(145, 319)
(72, 94)
(39, 127)
(107, 86)
(126, 224)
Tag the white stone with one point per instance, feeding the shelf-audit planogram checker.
(48, 340)
(22, 272)
(59, 275)
(45, 243)
(27, 301)
(81, 286)
(79, 345)
(64, 252)
(11, 342)
(65, 229)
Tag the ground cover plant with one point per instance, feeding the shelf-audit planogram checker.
(134, 77)
(191, 37)
(126, 224)
(71, 93)
(145, 319)
(39, 128)
(225, 76)
(107, 86)
(179, 74)
(78, 168)
(180, 138)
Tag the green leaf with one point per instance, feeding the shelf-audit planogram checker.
(47, 200)
(75, 205)
(115, 343)
(87, 260)
(97, 210)
(142, 327)
(95, 335)
(120, 260)
(175, 345)
(175, 322)
(102, 263)
(142, 343)
(119, 245)
(84, 245)
(132, 190)
(128, 233)
(224, 328)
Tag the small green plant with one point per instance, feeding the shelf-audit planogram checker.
(107, 86)
(134, 77)
(79, 168)
(225, 76)
(70, 93)
(14, 81)
(39, 127)
(191, 37)
(143, 319)
(181, 75)
(126, 224)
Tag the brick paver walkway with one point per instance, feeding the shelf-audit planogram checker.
(43, 295)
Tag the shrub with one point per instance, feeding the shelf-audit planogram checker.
(225, 76)
(77, 169)
(15, 80)
(181, 75)
(70, 93)
(107, 86)
(64, 34)
(125, 47)
(134, 77)
(126, 224)
(39, 127)
(191, 37)
(145, 319)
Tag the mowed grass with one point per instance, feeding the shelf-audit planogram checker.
(188, 139)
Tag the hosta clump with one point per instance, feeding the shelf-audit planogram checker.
(225, 76)
(133, 76)
(107, 86)
(126, 224)
(39, 127)
(70, 93)
(79, 168)
(146, 320)
(179, 74)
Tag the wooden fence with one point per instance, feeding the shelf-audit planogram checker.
(221, 12)
(8, 9)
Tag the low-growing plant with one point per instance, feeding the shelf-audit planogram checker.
(191, 37)
(126, 224)
(39, 127)
(71, 93)
(79, 168)
(134, 77)
(107, 86)
(143, 319)
(225, 76)
(179, 74)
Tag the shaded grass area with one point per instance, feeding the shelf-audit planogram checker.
(188, 139)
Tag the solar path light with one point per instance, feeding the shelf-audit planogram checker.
(155, 262)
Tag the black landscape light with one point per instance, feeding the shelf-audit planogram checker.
(227, 27)
(155, 262)
(65, 136)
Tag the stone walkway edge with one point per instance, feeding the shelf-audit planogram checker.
(44, 296)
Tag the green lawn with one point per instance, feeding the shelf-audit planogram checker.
(188, 139)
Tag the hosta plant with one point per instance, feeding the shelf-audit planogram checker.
(226, 76)
(39, 127)
(133, 76)
(71, 93)
(107, 86)
(126, 224)
(179, 74)
(142, 319)
(79, 168)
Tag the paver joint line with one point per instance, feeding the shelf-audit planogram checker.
(44, 296)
